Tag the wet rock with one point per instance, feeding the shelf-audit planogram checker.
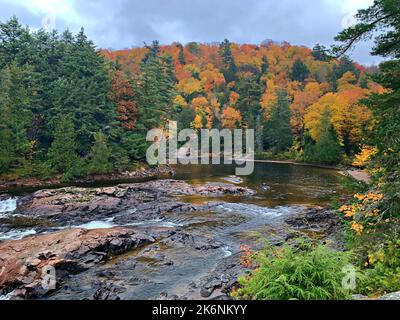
(153, 253)
(4, 197)
(323, 223)
(222, 279)
(202, 243)
(126, 203)
(391, 296)
(108, 292)
(166, 296)
(224, 189)
(25, 263)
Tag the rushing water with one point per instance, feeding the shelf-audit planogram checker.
(7, 206)
(282, 190)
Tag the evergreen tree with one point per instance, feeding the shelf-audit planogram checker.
(277, 130)
(300, 71)
(181, 56)
(15, 42)
(155, 89)
(62, 153)
(320, 53)
(264, 65)
(82, 90)
(345, 65)
(15, 146)
(193, 48)
(99, 156)
(7, 150)
(249, 91)
(228, 63)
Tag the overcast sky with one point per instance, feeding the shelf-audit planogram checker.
(125, 23)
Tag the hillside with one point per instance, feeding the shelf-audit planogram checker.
(80, 111)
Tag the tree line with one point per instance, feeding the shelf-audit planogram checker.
(71, 109)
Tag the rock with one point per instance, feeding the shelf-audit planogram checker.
(132, 202)
(201, 243)
(24, 263)
(4, 196)
(265, 187)
(223, 278)
(390, 296)
(223, 189)
(106, 292)
(323, 223)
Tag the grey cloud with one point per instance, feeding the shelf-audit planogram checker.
(125, 23)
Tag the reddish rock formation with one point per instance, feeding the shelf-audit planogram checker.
(25, 264)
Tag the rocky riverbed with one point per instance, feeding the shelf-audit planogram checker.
(142, 240)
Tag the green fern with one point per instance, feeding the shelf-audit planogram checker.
(306, 272)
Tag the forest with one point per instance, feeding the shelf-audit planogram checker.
(76, 110)
(72, 109)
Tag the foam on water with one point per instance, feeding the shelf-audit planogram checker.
(157, 223)
(5, 297)
(107, 224)
(233, 179)
(7, 206)
(96, 225)
(226, 251)
(254, 210)
(16, 234)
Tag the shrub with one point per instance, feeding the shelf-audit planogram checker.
(383, 273)
(306, 272)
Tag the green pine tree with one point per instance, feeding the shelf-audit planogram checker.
(229, 68)
(277, 130)
(155, 88)
(62, 153)
(181, 56)
(299, 72)
(99, 156)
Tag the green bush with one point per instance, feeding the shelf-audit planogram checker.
(383, 274)
(307, 272)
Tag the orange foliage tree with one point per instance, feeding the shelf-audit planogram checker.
(123, 95)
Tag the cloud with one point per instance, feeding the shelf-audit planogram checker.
(127, 23)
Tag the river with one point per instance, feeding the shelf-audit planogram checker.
(283, 190)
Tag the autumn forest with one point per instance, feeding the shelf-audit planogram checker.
(318, 220)
(87, 111)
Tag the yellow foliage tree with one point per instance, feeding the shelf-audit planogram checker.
(349, 117)
(189, 86)
(367, 152)
(231, 118)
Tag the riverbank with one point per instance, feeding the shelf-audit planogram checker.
(357, 174)
(144, 172)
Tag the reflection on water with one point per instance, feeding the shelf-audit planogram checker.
(276, 184)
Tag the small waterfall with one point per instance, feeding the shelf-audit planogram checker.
(7, 206)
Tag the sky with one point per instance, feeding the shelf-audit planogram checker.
(119, 24)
